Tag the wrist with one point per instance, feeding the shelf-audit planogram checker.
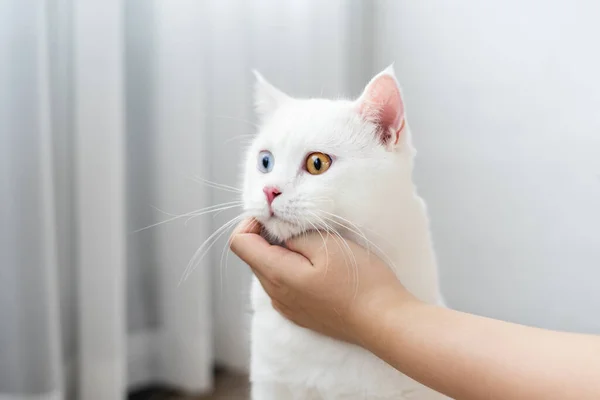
(378, 312)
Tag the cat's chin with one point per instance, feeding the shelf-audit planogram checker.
(277, 230)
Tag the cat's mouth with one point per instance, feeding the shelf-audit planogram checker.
(274, 218)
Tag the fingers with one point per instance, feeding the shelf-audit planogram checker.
(313, 245)
(250, 246)
(272, 262)
(249, 225)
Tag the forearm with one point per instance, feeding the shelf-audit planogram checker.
(470, 357)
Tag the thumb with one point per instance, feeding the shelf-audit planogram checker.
(275, 263)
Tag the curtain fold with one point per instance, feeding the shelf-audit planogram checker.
(30, 360)
(181, 152)
(98, 88)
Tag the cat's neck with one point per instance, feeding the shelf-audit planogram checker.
(400, 236)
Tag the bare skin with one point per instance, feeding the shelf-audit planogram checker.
(461, 355)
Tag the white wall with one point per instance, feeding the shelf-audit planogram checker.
(504, 102)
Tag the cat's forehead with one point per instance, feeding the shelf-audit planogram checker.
(306, 123)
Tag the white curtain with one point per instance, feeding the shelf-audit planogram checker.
(110, 113)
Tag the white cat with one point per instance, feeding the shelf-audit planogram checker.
(345, 165)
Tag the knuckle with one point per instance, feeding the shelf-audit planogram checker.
(234, 244)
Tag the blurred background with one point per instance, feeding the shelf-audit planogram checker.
(115, 113)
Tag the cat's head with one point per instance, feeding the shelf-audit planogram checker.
(318, 162)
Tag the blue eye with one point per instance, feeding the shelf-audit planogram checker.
(265, 161)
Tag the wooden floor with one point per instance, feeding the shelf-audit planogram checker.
(227, 387)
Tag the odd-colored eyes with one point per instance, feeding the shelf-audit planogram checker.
(265, 161)
(317, 163)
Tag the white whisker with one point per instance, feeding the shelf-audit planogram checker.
(246, 136)
(217, 210)
(345, 247)
(194, 213)
(225, 251)
(324, 245)
(163, 211)
(205, 247)
(362, 235)
(216, 185)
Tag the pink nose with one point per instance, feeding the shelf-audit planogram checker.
(271, 192)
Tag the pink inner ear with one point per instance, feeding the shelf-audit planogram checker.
(382, 103)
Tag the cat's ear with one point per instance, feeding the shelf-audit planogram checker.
(381, 103)
(267, 98)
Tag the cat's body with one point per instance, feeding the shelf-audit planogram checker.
(367, 196)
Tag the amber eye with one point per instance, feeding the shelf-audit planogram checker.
(317, 163)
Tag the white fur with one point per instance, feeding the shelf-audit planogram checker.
(369, 185)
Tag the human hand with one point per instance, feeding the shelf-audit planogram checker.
(320, 284)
